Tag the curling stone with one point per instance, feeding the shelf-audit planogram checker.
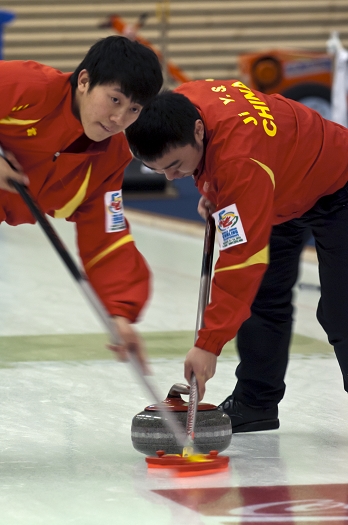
(213, 430)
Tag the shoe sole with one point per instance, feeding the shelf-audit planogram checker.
(256, 426)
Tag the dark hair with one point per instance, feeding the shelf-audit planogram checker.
(117, 59)
(167, 121)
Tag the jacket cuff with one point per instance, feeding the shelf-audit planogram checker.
(210, 344)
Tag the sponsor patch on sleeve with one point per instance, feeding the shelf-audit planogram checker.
(229, 227)
(114, 213)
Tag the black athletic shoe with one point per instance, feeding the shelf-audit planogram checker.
(247, 418)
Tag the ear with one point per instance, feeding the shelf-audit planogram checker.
(199, 130)
(83, 81)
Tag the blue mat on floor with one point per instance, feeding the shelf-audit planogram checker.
(182, 206)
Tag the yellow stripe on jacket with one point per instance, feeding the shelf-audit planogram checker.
(261, 257)
(69, 208)
(267, 170)
(17, 122)
(113, 247)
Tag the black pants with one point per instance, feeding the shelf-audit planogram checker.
(263, 340)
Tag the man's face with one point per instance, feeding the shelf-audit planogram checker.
(104, 110)
(181, 161)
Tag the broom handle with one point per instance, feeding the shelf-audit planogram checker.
(203, 299)
(82, 280)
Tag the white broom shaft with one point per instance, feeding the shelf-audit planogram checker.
(168, 418)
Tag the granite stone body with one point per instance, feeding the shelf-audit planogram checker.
(149, 433)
